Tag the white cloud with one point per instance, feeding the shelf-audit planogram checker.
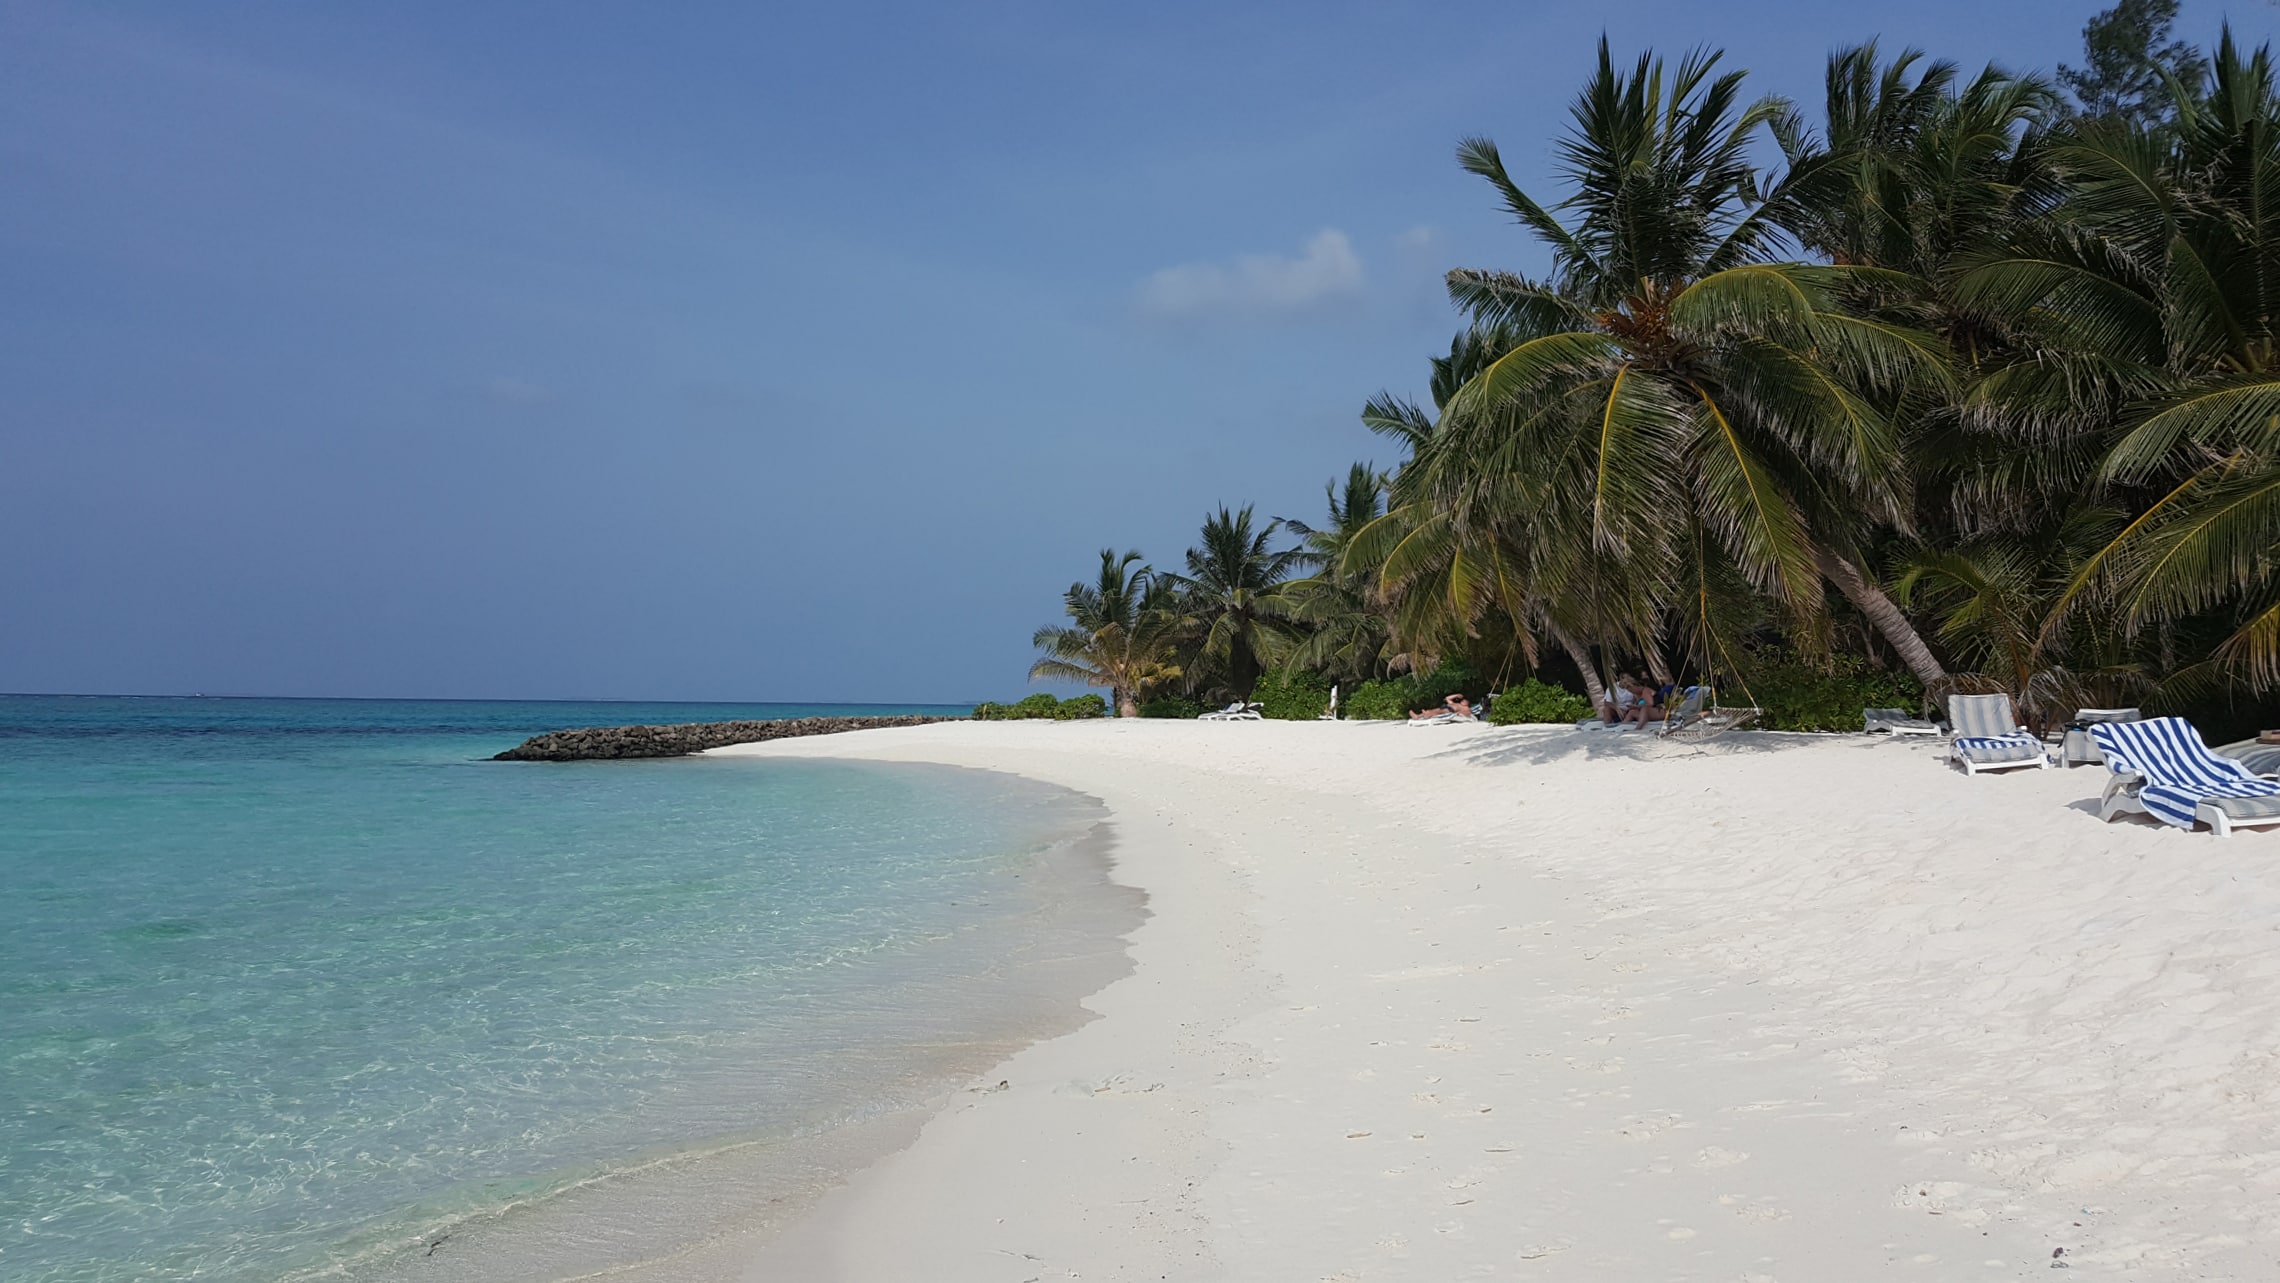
(1257, 284)
(1423, 241)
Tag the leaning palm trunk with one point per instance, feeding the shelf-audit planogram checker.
(1884, 616)
(1592, 686)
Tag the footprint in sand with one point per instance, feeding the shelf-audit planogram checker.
(1647, 1128)
(1713, 1156)
(1761, 1212)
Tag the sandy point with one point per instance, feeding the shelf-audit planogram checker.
(1467, 1002)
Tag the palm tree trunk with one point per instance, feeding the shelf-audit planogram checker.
(1882, 615)
(1126, 706)
(1592, 686)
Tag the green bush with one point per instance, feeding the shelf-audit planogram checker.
(1295, 696)
(1797, 696)
(1394, 698)
(1535, 701)
(1380, 700)
(1177, 706)
(1044, 707)
(1453, 677)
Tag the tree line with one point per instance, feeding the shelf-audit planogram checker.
(1974, 377)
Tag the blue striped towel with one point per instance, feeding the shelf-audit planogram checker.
(2178, 770)
(1987, 731)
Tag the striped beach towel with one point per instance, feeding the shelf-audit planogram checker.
(2179, 773)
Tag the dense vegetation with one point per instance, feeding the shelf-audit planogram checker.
(1948, 382)
(1043, 706)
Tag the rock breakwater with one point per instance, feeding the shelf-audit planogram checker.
(601, 743)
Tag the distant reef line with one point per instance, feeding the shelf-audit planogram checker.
(608, 743)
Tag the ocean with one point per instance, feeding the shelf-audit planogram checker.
(297, 989)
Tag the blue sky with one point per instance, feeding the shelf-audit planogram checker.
(734, 352)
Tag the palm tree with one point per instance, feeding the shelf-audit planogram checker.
(1918, 173)
(1698, 412)
(1467, 544)
(1126, 624)
(1344, 616)
(2165, 265)
(1228, 590)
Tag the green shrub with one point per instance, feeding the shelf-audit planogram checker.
(1083, 706)
(1380, 700)
(1294, 696)
(1535, 701)
(1042, 706)
(1178, 706)
(1797, 696)
(1394, 698)
(1453, 677)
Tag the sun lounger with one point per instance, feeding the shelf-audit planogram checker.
(2259, 757)
(2162, 768)
(1450, 718)
(1235, 712)
(1988, 736)
(1895, 721)
(2076, 748)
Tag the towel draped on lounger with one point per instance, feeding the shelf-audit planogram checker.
(2163, 768)
(1988, 736)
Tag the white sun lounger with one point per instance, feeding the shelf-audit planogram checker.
(1988, 736)
(1895, 721)
(1450, 718)
(1235, 712)
(2163, 769)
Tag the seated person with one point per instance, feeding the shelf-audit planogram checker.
(1645, 705)
(1615, 707)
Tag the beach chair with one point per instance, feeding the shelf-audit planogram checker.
(1235, 712)
(1450, 718)
(1895, 721)
(2261, 757)
(2163, 769)
(2076, 748)
(1988, 736)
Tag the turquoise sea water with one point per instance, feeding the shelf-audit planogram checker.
(291, 988)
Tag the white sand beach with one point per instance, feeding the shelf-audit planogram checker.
(1462, 1002)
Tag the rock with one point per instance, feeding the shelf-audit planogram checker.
(610, 742)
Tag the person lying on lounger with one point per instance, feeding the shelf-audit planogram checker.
(1457, 704)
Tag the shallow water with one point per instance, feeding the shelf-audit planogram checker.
(304, 987)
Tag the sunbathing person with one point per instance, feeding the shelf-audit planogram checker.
(1457, 704)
